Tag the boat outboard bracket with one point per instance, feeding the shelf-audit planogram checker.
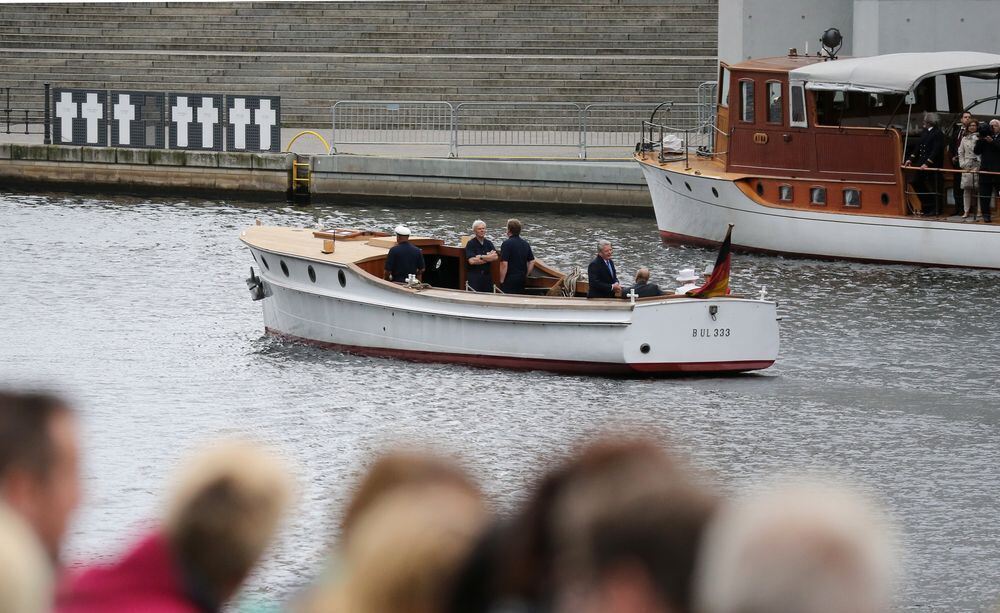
(256, 286)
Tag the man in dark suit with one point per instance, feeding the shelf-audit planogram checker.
(643, 288)
(928, 154)
(988, 147)
(601, 274)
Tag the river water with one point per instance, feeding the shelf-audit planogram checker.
(137, 309)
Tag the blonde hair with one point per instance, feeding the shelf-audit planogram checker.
(797, 548)
(225, 510)
(405, 551)
(26, 581)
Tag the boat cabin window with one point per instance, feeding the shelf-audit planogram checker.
(774, 108)
(724, 85)
(852, 198)
(798, 96)
(858, 109)
(817, 196)
(786, 193)
(746, 100)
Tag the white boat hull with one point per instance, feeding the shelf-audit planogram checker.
(368, 316)
(699, 216)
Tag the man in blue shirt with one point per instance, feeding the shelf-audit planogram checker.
(404, 259)
(516, 260)
(479, 252)
(601, 274)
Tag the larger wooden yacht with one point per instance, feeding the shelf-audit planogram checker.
(805, 155)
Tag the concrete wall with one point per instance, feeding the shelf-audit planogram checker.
(38, 165)
(762, 28)
(557, 184)
(759, 28)
(457, 182)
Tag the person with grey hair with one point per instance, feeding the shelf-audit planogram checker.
(797, 548)
(480, 254)
(928, 155)
(602, 275)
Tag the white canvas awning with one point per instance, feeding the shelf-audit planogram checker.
(894, 73)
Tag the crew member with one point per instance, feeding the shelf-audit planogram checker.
(404, 258)
(516, 260)
(479, 253)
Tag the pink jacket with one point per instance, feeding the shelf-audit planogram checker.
(144, 580)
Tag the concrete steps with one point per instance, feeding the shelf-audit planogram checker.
(313, 54)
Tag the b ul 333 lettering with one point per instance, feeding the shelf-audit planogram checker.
(710, 332)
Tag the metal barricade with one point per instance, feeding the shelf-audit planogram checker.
(559, 129)
(388, 122)
(551, 125)
(613, 126)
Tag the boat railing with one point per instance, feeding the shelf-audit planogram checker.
(675, 143)
(925, 190)
(507, 129)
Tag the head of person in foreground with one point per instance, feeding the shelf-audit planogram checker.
(798, 547)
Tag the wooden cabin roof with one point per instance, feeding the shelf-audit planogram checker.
(783, 63)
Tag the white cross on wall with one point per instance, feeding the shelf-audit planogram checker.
(92, 111)
(265, 118)
(239, 117)
(181, 114)
(208, 116)
(66, 112)
(124, 113)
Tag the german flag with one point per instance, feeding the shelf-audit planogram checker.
(718, 283)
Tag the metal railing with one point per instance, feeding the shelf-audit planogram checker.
(560, 129)
(20, 120)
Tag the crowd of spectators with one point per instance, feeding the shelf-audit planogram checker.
(621, 524)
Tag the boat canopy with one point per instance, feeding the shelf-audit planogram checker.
(896, 73)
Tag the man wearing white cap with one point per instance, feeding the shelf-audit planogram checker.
(690, 280)
(404, 259)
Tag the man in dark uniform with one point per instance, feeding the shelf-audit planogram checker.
(928, 154)
(516, 260)
(479, 252)
(988, 147)
(601, 274)
(404, 259)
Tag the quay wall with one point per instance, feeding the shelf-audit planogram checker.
(457, 182)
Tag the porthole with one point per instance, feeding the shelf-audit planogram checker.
(786, 193)
(669, 182)
(284, 267)
(644, 348)
(687, 185)
(852, 198)
(264, 261)
(312, 273)
(760, 188)
(817, 196)
(342, 278)
(715, 192)
(885, 199)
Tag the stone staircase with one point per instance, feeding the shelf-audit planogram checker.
(313, 54)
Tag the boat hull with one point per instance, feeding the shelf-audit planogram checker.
(367, 316)
(688, 211)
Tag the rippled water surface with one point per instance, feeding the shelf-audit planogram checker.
(137, 309)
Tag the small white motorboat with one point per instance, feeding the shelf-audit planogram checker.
(326, 288)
